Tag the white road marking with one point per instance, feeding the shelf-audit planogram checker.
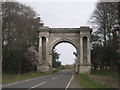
(61, 75)
(54, 78)
(69, 82)
(23, 81)
(37, 85)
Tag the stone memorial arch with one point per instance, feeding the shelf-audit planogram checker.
(78, 37)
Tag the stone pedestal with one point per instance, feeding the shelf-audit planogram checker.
(44, 67)
(84, 69)
(76, 68)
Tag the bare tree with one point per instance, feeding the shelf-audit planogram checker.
(19, 31)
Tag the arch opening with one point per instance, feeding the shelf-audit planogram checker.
(59, 42)
(84, 50)
(67, 51)
(43, 48)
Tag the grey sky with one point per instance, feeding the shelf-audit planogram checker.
(64, 14)
(66, 53)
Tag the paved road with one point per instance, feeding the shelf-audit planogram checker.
(59, 80)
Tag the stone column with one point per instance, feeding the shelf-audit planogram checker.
(88, 51)
(40, 43)
(76, 64)
(47, 55)
(81, 55)
(81, 50)
(47, 50)
(40, 48)
(83, 67)
(40, 52)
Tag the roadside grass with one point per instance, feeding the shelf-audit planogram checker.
(106, 73)
(10, 78)
(85, 82)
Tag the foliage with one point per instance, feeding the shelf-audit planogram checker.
(103, 19)
(105, 58)
(75, 53)
(19, 27)
(55, 57)
(31, 60)
(106, 37)
(106, 73)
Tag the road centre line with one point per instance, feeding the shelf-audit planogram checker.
(69, 82)
(37, 85)
(61, 75)
(55, 78)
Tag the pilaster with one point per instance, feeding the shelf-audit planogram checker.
(81, 50)
(88, 51)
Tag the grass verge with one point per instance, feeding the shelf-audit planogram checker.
(10, 78)
(105, 73)
(85, 82)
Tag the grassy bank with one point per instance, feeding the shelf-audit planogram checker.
(110, 79)
(9, 78)
(86, 82)
(106, 73)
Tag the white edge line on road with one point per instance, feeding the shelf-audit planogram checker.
(22, 81)
(69, 82)
(37, 85)
(19, 82)
(54, 78)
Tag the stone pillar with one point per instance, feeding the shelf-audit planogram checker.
(81, 50)
(83, 68)
(40, 52)
(76, 68)
(88, 51)
(40, 44)
(81, 54)
(40, 48)
(46, 64)
(47, 50)
(76, 65)
(50, 56)
(43, 65)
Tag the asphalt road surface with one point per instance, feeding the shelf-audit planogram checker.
(61, 79)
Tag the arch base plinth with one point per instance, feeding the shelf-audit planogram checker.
(84, 69)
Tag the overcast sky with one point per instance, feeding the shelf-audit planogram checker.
(64, 13)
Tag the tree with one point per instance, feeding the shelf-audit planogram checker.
(55, 57)
(31, 60)
(75, 53)
(103, 19)
(105, 38)
(19, 27)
